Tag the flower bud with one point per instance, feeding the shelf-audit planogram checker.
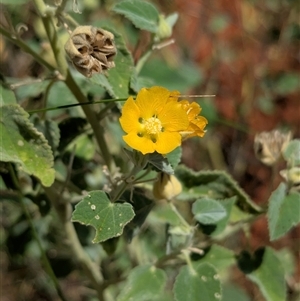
(166, 187)
(164, 29)
(91, 50)
(292, 175)
(268, 146)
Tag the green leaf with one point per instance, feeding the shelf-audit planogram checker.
(269, 276)
(287, 83)
(217, 256)
(21, 143)
(160, 163)
(288, 261)
(117, 81)
(50, 130)
(102, 80)
(180, 77)
(7, 96)
(221, 225)
(172, 19)
(174, 157)
(144, 283)
(165, 215)
(139, 82)
(142, 14)
(32, 88)
(283, 212)
(218, 184)
(292, 152)
(231, 292)
(106, 217)
(198, 283)
(208, 211)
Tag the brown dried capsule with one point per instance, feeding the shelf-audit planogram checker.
(92, 50)
(268, 146)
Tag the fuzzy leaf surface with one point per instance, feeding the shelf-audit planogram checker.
(108, 219)
(269, 276)
(283, 212)
(144, 283)
(200, 283)
(142, 14)
(217, 184)
(208, 211)
(23, 144)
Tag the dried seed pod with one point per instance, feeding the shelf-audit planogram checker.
(269, 145)
(92, 50)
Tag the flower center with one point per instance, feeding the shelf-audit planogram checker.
(152, 126)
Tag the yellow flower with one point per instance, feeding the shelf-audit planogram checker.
(154, 120)
(197, 123)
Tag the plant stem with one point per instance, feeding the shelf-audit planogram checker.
(44, 257)
(26, 48)
(62, 65)
(92, 119)
(125, 184)
(78, 104)
(186, 255)
(184, 222)
(64, 210)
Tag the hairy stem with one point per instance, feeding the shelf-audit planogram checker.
(59, 54)
(92, 119)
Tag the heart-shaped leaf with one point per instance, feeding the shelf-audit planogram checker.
(106, 217)
(199, 283)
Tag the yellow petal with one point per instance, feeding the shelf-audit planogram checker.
(130, 116)
(192, 109)
(151, 101)
(167, 141)
(173, 117)
(142, 144)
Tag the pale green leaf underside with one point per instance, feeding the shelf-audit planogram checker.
(283, 212)
(270, 277)
(144, 283)
(208, 211)
(106, 217)
(141, 13)
(23, 144)
(201, 283)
